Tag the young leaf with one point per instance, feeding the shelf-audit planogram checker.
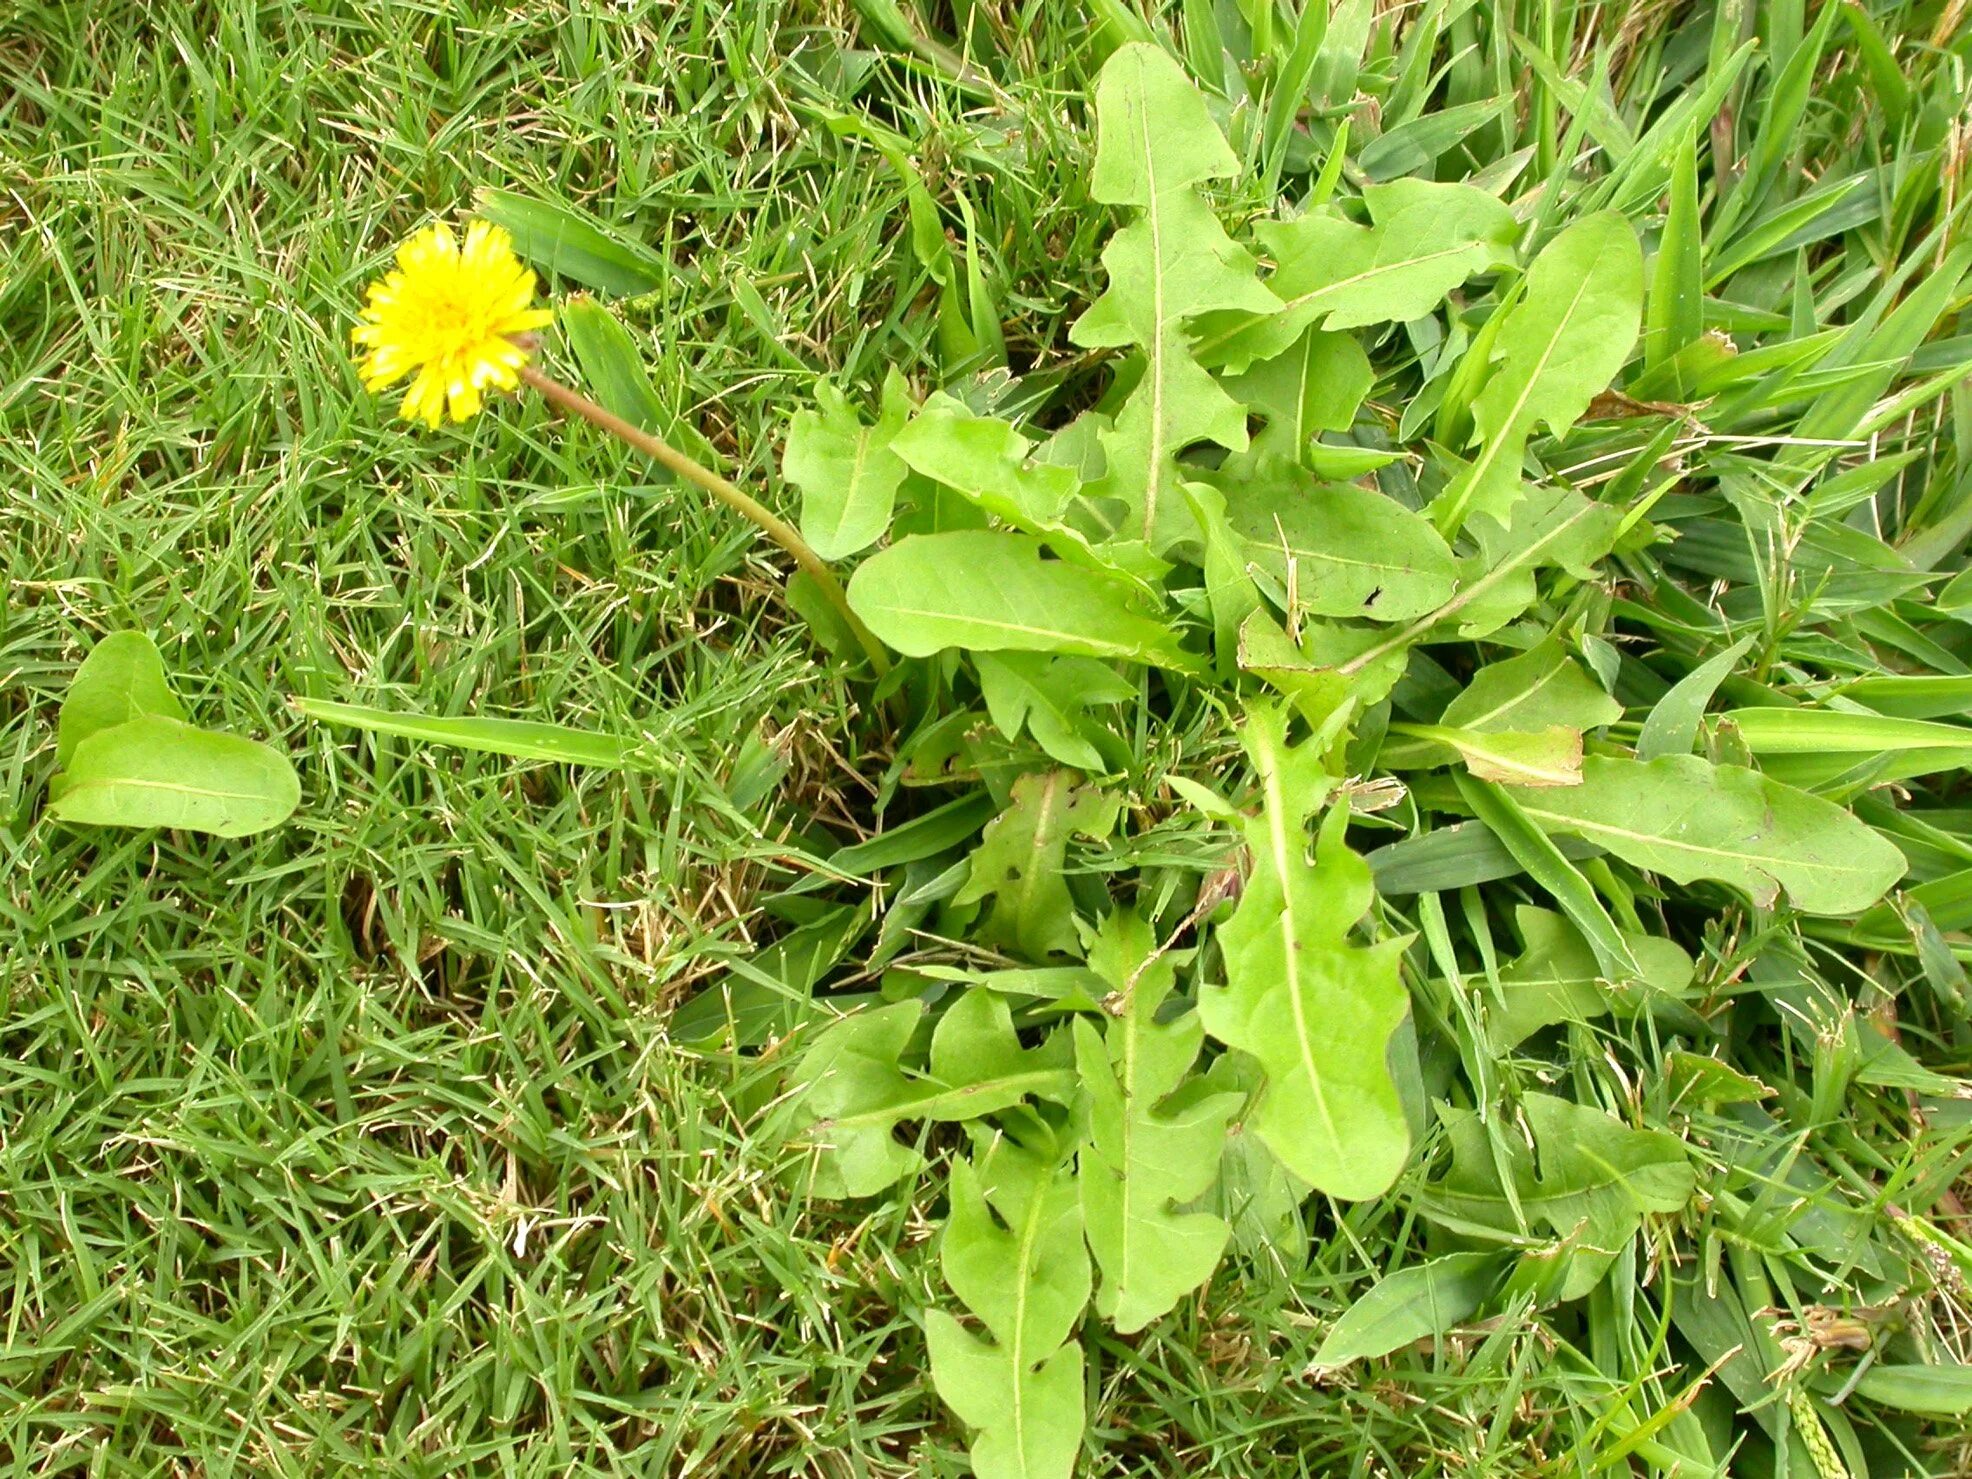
(520, 739)
(1316, 385)
(1229, 590)
(1546, 757)
(1426, 1299)
(1551, 527)
(1144, 1156)
(1540, 687)
(1558, 978)
(987, 460)
(988, 463)
(1048, 696)
(1334, 669)
(121, 679)
(1155, 143)
(1686, 819)
(850, 1070)
(1019, 860)
(1423, 240)
(990, 590)
(1561, 344)
(1315, 1009)
(849, 1091)
(1352, 552)
(1027, 1281)
(1592, 1170)
(154, 771)
(846, 471)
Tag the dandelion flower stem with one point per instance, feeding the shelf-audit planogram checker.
(764, 519)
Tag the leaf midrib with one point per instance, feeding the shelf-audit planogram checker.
(1290, 939)
(1610, 829)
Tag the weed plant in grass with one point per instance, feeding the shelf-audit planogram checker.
(1402, 909)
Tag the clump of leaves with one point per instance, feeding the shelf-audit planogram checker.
(1454, 712)
(1341, 625)
(128, 758)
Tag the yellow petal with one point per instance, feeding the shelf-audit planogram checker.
(449, 313)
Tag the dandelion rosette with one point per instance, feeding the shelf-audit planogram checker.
(455, 317)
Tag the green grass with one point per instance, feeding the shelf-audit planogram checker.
(362, 1146)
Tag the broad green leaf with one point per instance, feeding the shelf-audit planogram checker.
(850, 1090)
(121, 679)
(1144, 1156)
(154, 771)
(1672, 727)
(1344, 464)
(1316, 385)
(1696, 1078)
(1519, 722)
(1336, 668)
(847, 472)
(1548, 866)
(1686, 819)
(1319, 694)
(1550, 527)
(1545, 757)
(1586, 1168)
(988, 461)
(1423, 240)
(1156, 142)
(1424, 1300)
(1560, 345)
(613, 368)
(574, 244)
(1018, 863)
(1027, 1280)
(1049, 697)
(1541, 687)
(1557, 977)
(1314, 1008)
(990, 590)
(1229, 590)
(1338, 549)
(852, 1068)
(1256, 1194)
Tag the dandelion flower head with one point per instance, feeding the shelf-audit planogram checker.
(453, 317)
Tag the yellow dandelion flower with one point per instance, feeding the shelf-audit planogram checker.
(453, 317)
